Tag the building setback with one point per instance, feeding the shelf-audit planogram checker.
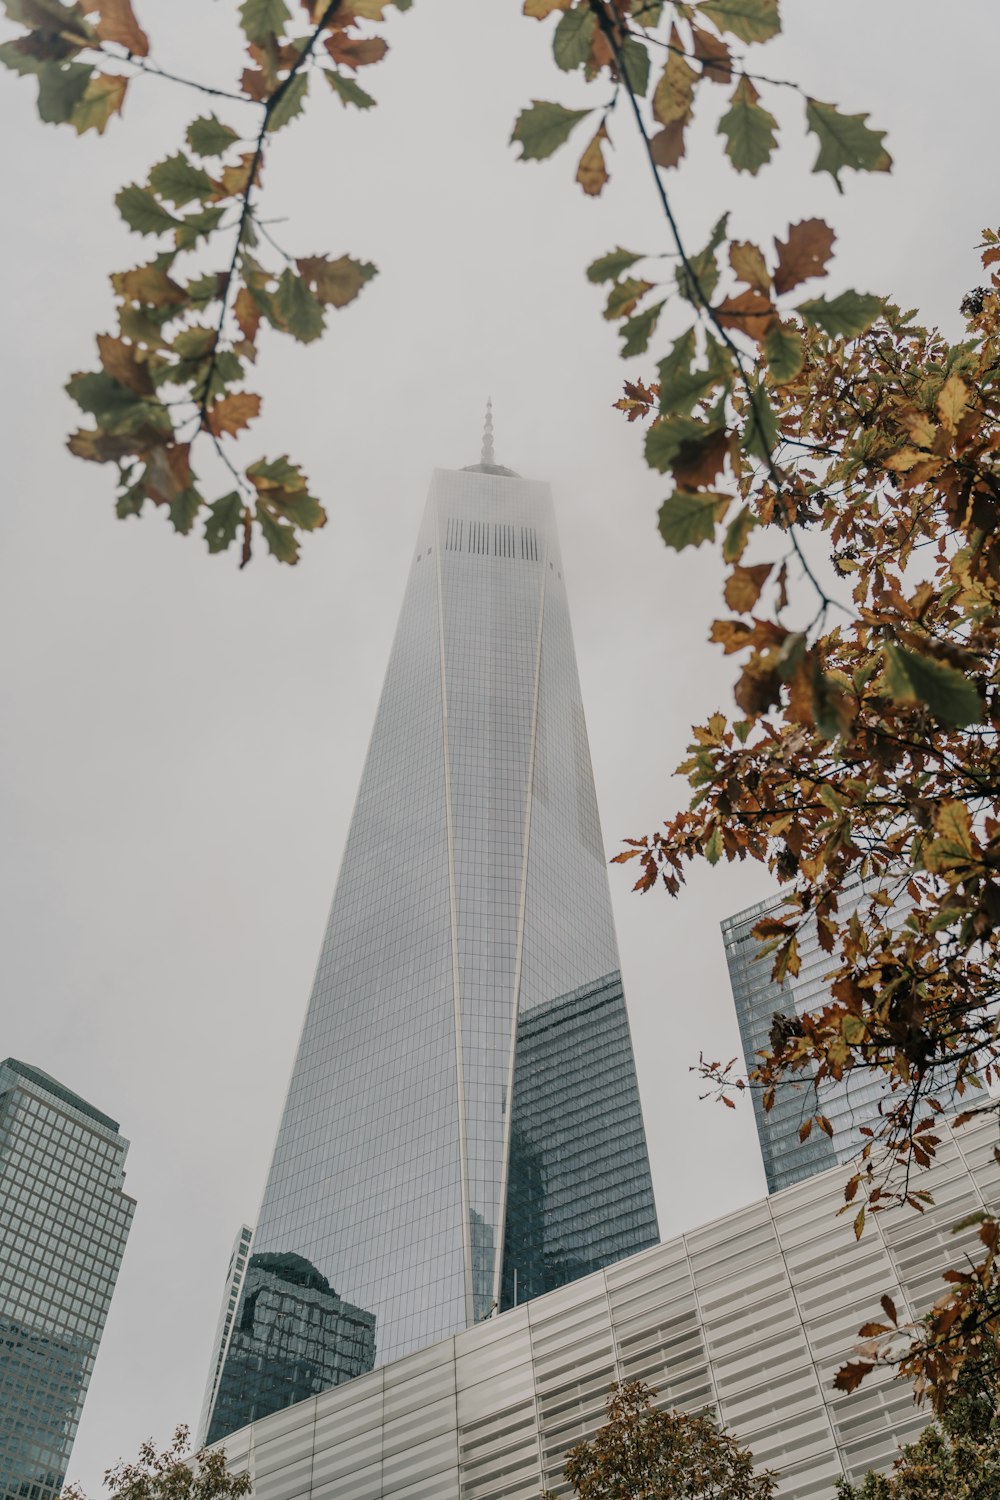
(64, 1220)
(462, 1129)
(750, 1316)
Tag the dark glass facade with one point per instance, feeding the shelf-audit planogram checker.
(472, 898)
(64, 1220)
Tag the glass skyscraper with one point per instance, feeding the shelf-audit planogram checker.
(64, 1220)
(462, 1129)
(847, 1103)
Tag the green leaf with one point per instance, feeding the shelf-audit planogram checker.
(760, 434)
(300, 313)
(950, 696)
(737, 534)
(142, 211)
(261, 19)
(183, 510)
(573, 36)
(130, 501)
(117, 409)
(713, 848)
(749, 129)
(688, 518)
(60, 90)
(543, 128)
(194, 226)
(281, 539)
(666, 437)
(750, 20)
(207, 136)
(608, 267)
(347, 90)
(195, 342)
(635, 60)
(101, 99)
(223, 522)
(704, 267)
(623, 297)
(12, 56)
(784, 353)
(179, 181)
(638, 331)
(681, 386)
(842, 317)
(291, 102)
(203, 289)
(845, 141)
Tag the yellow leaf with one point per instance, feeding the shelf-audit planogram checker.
(675, 90)
(859, 1223)
(542, 8)
(749, 264)
(952, 400)
(592, 174)
(102, 98)
(232, 413)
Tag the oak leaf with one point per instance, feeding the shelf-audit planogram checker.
(750, 20)
(674, 94)
(713, 54)
(952, 400)
(102, 98)
(749, 265)
(543, 128)
(117, 23)
(687, 520)
(750, 130)
(355, 52)
(592, 173)
(232, 413)
(804, 254)
(335, 282)
(667, 146)
(542, 8)
(750, 312)
(743, 586)
(119, 360)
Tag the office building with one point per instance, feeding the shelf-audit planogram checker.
(64, 1220)
(750, 1316)
(462, 1130)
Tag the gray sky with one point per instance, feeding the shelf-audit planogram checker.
(182, 743)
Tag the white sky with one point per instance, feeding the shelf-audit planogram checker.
(182, 743)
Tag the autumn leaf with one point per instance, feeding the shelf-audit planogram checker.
(207, 136)
(102, 98)
(952, 400)
(667, 146)
(850, 1376)
(674, 93)
(543, 128)
(573, 37)
(592, 174)
(347, 90)
(335, 282)
(949, 695)
(355, 52)
(804, 254)
(750, 20)
(750, 312)
(713, 54)
(609, 267)
(232, 413)
(743, 586)
(749, 265)
(119, 360)
(542, 8)
(699, 460)
(116, 22)
(298, 311)
(845, 316)
(262, 19)
(784, 352)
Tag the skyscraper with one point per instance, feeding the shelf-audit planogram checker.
(64, 1220)
(462, 1129)
(848, 1103)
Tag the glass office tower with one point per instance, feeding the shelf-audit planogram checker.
(849, 1103)
(64, 1220)
(462, 1129)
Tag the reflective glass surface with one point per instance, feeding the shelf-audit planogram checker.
(64, 1220)
(473, 891)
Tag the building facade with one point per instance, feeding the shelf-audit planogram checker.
(462, 1129)
(64, 1221)
(848, 1103)
(235, 1273)
(749, 1317)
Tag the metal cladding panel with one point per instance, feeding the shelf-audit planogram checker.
(462, 1126)
(529, 1384)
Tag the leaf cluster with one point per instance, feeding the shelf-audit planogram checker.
(173, 1474)
(190, 314)
(643, 1452)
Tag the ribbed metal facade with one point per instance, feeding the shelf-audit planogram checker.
(750, 1316)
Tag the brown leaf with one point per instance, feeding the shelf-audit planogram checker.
(117, 23)
(751, 312)
(335, 282)
(731, 635)
(355, 52)
(235, 180)
(118, 359)
(149, 286)
(758, 689)
(713, 54)
(889, 1308)
(255, 84)
(700, 460)
(592, 174)
(850, 1376)
(667, 145)
(168, 472)
(872, 1330)
(749, 264)
(743, 586)
(804, 254)
(247, 314)
(232, 413)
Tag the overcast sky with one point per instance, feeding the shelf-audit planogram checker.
(182, 743)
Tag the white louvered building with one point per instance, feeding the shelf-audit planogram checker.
(750, 1316)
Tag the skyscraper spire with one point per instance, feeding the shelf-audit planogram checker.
(487, 457)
